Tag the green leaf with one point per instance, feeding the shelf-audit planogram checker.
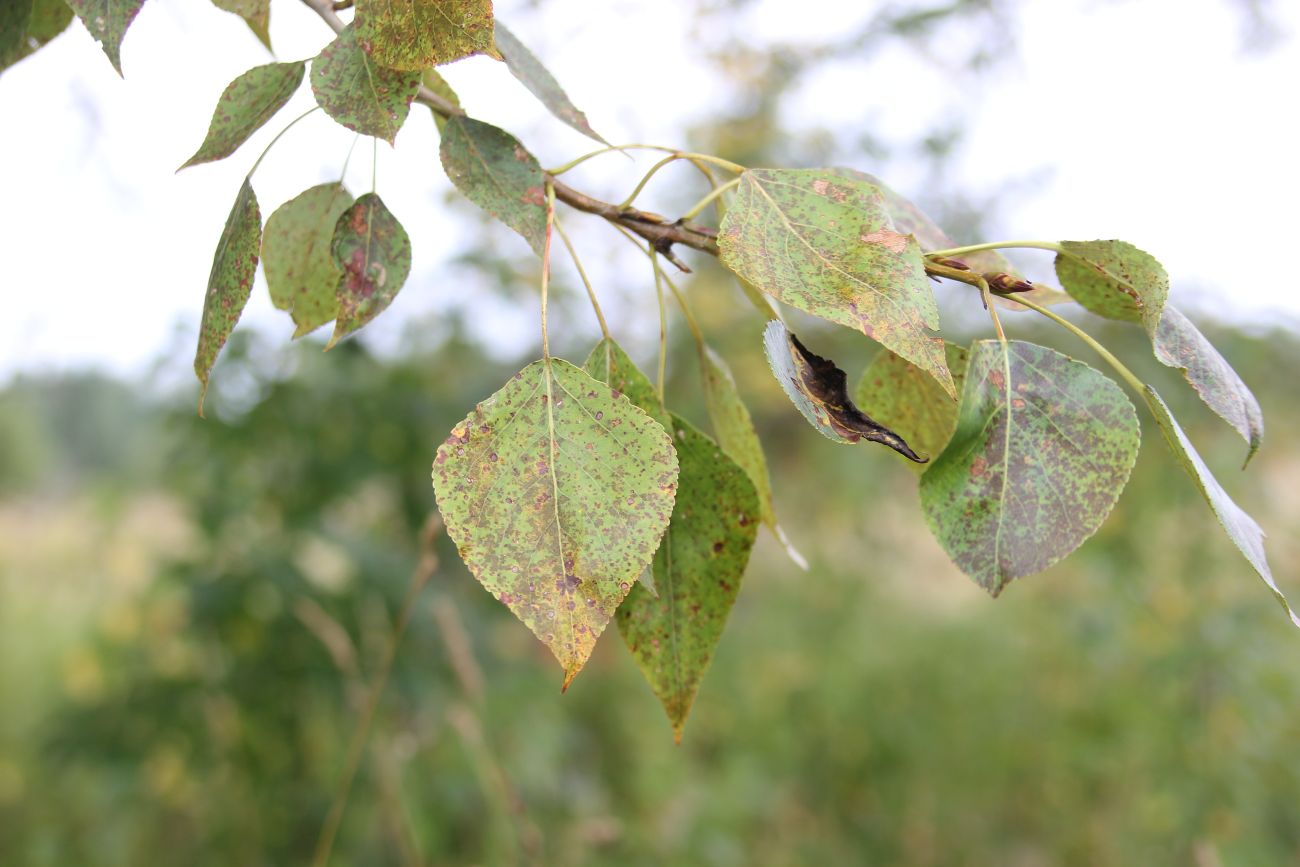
(229, 282)
(556, 492)
(245, 105)
(107, 21)
(818, 390)
(1043, 447)
(297, 257)
(1240, 527)
(701, 560)
(359, 93)
(734, 428)
(412, 35)
(14, 18)
(825, 244)
(498, 174)
(439, 85)
(1180, 344)
(540, 83)
(256, 14)
(1114, 279)
(373, 253)
(909, 402)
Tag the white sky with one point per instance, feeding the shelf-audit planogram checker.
(1156, 126)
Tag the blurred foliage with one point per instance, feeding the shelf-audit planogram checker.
(1131, 706)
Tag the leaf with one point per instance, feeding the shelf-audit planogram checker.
(107, 21)
(701, 560)
(1179, 344)
(1240, 527)
(1114, 279)
(230, 281)
(909, 402)
(825, 244)
(498, 174)
(439, 85)
(245, 105)
(297, 255)
(540, 83)
(373, 254)
(14, 17)
(412, 35)
(256, 14)
(818, 390)
(359, 93)
(557, 491)
(1043, 447)
(734, 428)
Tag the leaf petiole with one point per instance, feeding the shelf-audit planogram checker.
(707, 200)
(1119, 367)
(591, 292)
(288, 127)
(993, 245)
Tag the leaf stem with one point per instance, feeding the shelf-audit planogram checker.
(348, 159)
(987, 297)
(577, 161)
(663, 326)
(995, 245)
(591, 292)
(691, 322)
(374, 165)
(278, 135)
(546, 266)
(704, 202)
(673, 157)
(1119, 367)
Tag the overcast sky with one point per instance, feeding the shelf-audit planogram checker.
(1156, 125)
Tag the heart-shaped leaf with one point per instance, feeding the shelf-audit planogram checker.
(413, 35)
(701, 560)
(107, 21)
(498, 174)
(819, 391)
(825, 243)
(1180, 344)
(909, 402)
(540, 83)
(1042, 449)
(359, 93)
(1240, 527)
(1114, 279)
(230, 281)
(557, 491)
(297, 257)
(372, 253)
(247, 102)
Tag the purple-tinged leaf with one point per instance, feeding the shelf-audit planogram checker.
(107, 21)
(297, 257)
(373, 254)
(825, 243)
(540, 83)
(901, 396)
(498, 174)
(230, 281)
(359, 93)
(1180, 344)
(1042, 449)
(245, 105)
(556, 490)
(412, 35)
(1240, 527)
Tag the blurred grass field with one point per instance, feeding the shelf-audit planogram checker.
(190, 612)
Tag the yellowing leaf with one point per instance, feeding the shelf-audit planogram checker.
(412, 35)
(557, 491)
(359, 93)
(230, 281)
(256, 14)
(905, 399)
(297, 259)
(247, 102)
(825, 243)
(734, 428)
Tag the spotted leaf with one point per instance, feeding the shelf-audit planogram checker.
(1240, 527)
(359, 93)
(246, 104)
(297, 255)
(825, 243)
(540, 83)
(372, 254)
(909, 402)
(1114, 279)
(107, 21)
(556, 491)
(498, 174)
(413, 35)
(230, 281)
(1042, 449)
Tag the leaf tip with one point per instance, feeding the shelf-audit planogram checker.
(569, 675)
